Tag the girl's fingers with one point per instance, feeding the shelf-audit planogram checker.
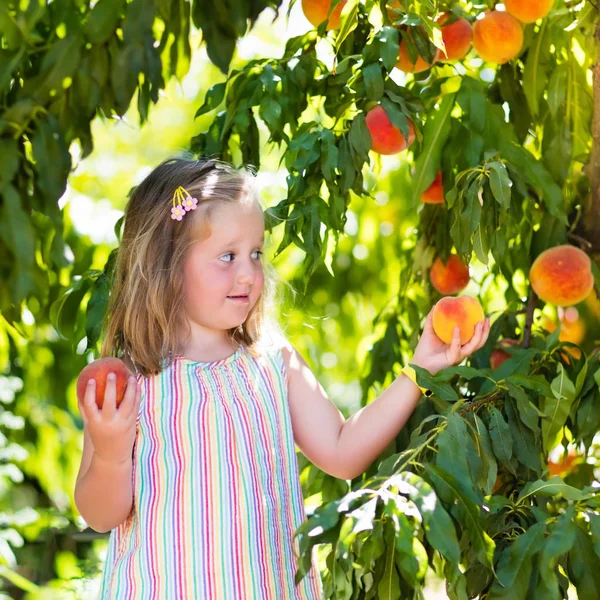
(134, 402)
(89, 400)
(476, 341)
(109, 408)
(453, 353)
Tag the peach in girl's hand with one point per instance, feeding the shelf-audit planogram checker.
(99, 370)
(463, 312)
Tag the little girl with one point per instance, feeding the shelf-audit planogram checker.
(195, 473)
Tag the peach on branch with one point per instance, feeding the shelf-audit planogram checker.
(497, 37)
(457, 37)
(498, 356)
(449, 278)
(99, 370)
(562, 275)
(463, 312)
(316, 12)
(528, 11)
(386, 137)
(434, 194)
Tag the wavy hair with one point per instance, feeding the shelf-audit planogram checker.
(145, 320)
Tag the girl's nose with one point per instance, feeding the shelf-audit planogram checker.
(246, 273)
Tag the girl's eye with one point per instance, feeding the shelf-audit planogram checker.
(232, 254)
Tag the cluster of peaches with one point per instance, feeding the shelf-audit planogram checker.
(561, 276)
(497, 37)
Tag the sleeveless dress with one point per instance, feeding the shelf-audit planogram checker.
(216, 488)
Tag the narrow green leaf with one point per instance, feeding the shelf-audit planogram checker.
(468, 512)
(213, 98)
(500, 435)
(435, 134)
(552, 487)
(515, 565)
(500, 183)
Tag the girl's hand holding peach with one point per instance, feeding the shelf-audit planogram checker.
(433, 353)
(111, 429)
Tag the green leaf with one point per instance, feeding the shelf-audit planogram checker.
(103, 20)
(500, 183)
(52, 158)
(560, 541)
(213, 98)
(500, 435)
(515, 565)
(535, 76)
(373, 81)
(435, 134)
(359, 137)
(18, 233)
(537, 383)
(389, 584)
(348, 21)
(528, 411)
(557, 408)
(9, 161)
(487, 453)
(438, 526)
(583, 567)
(553, 486)
(443, 390)
(388, 46)
(468, 513)
(557, 88)
(525, 447)
(9, 61)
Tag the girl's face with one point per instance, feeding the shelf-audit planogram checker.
(226, 264)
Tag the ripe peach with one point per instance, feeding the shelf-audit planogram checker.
(434, 194)
(457, 37)
(99, 370)
(316, 12)
(562, 275)
(463, 312)
(497, 37)
(450, 278)
(407, 65)
(498, 356)
(387, 138)
(528, 11)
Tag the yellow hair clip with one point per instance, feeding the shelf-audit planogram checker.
(182, 203)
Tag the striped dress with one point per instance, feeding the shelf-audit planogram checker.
(217, 495)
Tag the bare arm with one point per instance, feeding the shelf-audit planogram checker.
(104, 489)
(344, 448)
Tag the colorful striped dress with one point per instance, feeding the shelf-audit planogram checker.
(217, 495)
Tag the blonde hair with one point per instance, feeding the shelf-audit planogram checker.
(145, 314)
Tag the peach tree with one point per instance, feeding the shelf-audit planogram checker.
(492, 109)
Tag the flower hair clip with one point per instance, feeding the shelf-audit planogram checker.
(182, 203)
